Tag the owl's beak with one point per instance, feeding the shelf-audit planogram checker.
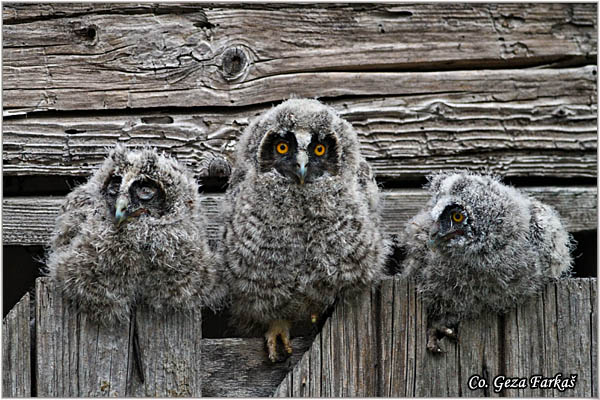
(121, 210)
(301, 162)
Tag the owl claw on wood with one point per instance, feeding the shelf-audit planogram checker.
(434, 335)
(279, 328)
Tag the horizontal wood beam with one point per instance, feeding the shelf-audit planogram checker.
(514, 122)
(28, 221)
(127, 56)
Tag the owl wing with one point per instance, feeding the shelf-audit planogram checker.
(72, 216)
(553, 241)
(368, 185)
(413, 243)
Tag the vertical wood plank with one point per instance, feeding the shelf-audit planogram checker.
(479, 354)
(574, 310)
(594, 331)
(78, 358)
(16, 351)
(171, 346)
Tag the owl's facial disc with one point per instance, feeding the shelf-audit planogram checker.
(141, 197)
(451, 223)
(300, 156)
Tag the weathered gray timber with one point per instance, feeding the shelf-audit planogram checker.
(552, 334)
(532, 122)
(16, 351)
(77, 358)
(128, 56)
(30, 220)
(238, 367)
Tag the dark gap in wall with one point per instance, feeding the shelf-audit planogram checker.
(585, 254)
(53, 185)
(20, 268)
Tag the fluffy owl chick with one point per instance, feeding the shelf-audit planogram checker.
(133, 233)
(301, 219)
(480, 246)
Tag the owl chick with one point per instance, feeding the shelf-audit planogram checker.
(480, 246)
(301, 219)
(134, 233)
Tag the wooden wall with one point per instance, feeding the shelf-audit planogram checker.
(508, 88)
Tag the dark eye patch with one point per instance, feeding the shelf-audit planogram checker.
(145, 190)
(269, 155)
(328, 160)
(112, 185)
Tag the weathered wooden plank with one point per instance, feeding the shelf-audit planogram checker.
(513, 122)
(548, 335)
(30, 220)
(142, 56)
(16, 351)
(342, 360)
(238, 367)
(76, 357)
(553, 335)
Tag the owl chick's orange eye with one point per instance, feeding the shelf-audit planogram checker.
(320, 150)
(457, 217)
(282, 147)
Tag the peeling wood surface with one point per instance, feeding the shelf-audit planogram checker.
(539, 122)
(550, 334)
(16, 351)
(30, 220)
(116, 57)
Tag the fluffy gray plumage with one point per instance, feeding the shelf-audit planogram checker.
(301, 221)
(480, 246)
(134, 233)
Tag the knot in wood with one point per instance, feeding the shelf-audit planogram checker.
(235, 61)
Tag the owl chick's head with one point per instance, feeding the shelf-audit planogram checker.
(472, 213)
(143, 184)
(302, 140)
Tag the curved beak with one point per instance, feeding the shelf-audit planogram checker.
(121, 210)
(301, 162)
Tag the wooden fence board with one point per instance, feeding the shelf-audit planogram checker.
(66, 341)
(548, 335)
(16, 351)
(30, 220)
(238, 367)
(139, 57)
(515, 122)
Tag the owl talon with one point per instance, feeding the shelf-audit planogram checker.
(279, 328)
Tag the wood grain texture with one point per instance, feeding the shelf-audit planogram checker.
(549, 335)
(238, 367)
(514, 122)
(552, 335)
(30, 220)
(77, 358)
(343, 357)
(16, 351)
(126, 56)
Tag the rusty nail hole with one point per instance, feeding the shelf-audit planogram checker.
(234, 62)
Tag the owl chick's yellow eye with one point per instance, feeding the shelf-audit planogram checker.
(282, 148)
(457, 217)
(319, 150)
